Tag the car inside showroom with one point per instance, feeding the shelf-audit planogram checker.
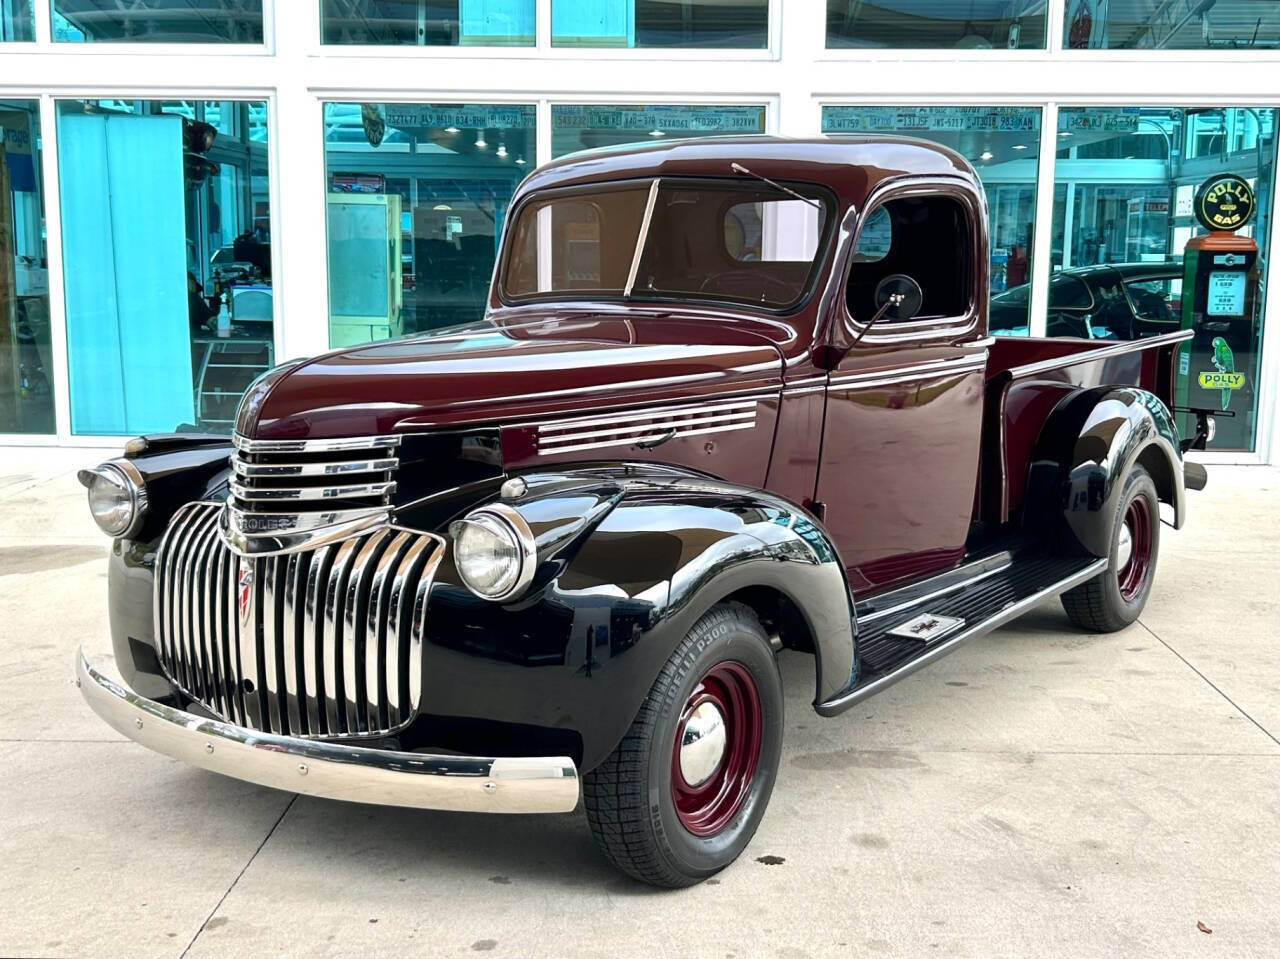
(427, 492)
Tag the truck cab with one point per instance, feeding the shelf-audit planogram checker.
(728, 397)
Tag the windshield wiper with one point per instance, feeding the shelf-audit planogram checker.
(739, 168)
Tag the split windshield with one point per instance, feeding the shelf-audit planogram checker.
(739, 241)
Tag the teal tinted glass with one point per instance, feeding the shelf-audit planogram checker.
(416, 195)
(158, 21)
(1164, 25)
(937, 24)
(1125, 181)
(17, 20)
(1003, 144)
(660, 23)
(166, 245)
(428, 23)
(577, 126)
(26, 351)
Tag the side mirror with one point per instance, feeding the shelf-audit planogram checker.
(899, 296)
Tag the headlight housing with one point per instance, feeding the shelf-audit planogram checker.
(117, 497)
(495, 552)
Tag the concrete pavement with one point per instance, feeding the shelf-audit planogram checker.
(1040, 792)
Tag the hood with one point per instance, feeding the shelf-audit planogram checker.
(499, 371)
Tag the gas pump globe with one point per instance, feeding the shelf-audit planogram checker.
(1220, 303)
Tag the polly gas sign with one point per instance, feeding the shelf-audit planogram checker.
(1224, 203)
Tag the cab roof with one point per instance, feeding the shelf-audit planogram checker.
(852, 166)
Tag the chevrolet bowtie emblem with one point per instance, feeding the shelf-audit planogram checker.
(244, 592)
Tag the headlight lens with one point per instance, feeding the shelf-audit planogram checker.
(495, 552)
(117, 497)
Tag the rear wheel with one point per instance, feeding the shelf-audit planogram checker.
(683, 793)
(1115, 598)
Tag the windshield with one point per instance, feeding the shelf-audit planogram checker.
(745, 242)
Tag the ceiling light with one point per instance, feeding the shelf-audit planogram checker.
(480, 144)
(1065, 133)
(442, 206)
(450, 129)
(520, 161)
(656, 133)
(1020, 146)
(502, 149)
(986, 155)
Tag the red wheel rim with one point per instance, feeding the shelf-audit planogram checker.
(707, 807)
(1132, 576)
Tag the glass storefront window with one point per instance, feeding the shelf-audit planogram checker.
(1125, 179)
(1158, 25)
(660, 23)
(581, 126)
(166, 244)
(428, 23)
(1003, 144)
(17, 20)
(416, 196)
(26, 360)
(930, 24)
(158, 21)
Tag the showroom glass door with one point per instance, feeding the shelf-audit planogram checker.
(166, 245)
(26, 348)
(1125, 180)
(416, 195)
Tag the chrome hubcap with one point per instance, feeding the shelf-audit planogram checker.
(702, 744)
(1124, 547)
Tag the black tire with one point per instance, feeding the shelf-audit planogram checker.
(1112, 599)
(629, 797)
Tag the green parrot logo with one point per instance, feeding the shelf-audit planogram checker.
(1224, 361)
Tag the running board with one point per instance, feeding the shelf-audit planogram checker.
(894, 642)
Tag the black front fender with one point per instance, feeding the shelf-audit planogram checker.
(613, 599)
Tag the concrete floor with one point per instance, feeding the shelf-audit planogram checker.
(1040, 792)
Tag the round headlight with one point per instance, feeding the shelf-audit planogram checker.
(494, 551)
(117, 497)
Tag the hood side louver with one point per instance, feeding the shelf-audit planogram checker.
(651, 425)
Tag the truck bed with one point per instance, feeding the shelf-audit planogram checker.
(1028, 377)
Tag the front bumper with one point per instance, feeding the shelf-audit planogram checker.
(333, 770)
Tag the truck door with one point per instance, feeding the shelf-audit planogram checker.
(899, 463)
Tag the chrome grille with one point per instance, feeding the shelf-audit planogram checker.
(293, 488)
(324, 642)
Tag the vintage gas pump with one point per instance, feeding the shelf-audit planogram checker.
(1220, 302)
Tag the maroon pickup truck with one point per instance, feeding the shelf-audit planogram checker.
(729, 397)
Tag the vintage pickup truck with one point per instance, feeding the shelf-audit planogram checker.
(729, 397)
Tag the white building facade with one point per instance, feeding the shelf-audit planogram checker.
(192, 191)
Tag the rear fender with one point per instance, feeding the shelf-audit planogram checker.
(1087, 447)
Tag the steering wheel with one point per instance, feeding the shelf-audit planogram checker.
(716, 280)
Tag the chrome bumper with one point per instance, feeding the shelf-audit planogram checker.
(333, 770)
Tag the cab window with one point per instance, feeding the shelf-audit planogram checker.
(930, 239)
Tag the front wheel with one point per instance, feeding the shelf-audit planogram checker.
(1115, 598)
(683, 793)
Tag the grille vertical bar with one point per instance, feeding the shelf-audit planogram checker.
(319, 643)
(355, 619)
(272, 622)
(313, 661)
(375, 643)
(247, 628)
(291, 640)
